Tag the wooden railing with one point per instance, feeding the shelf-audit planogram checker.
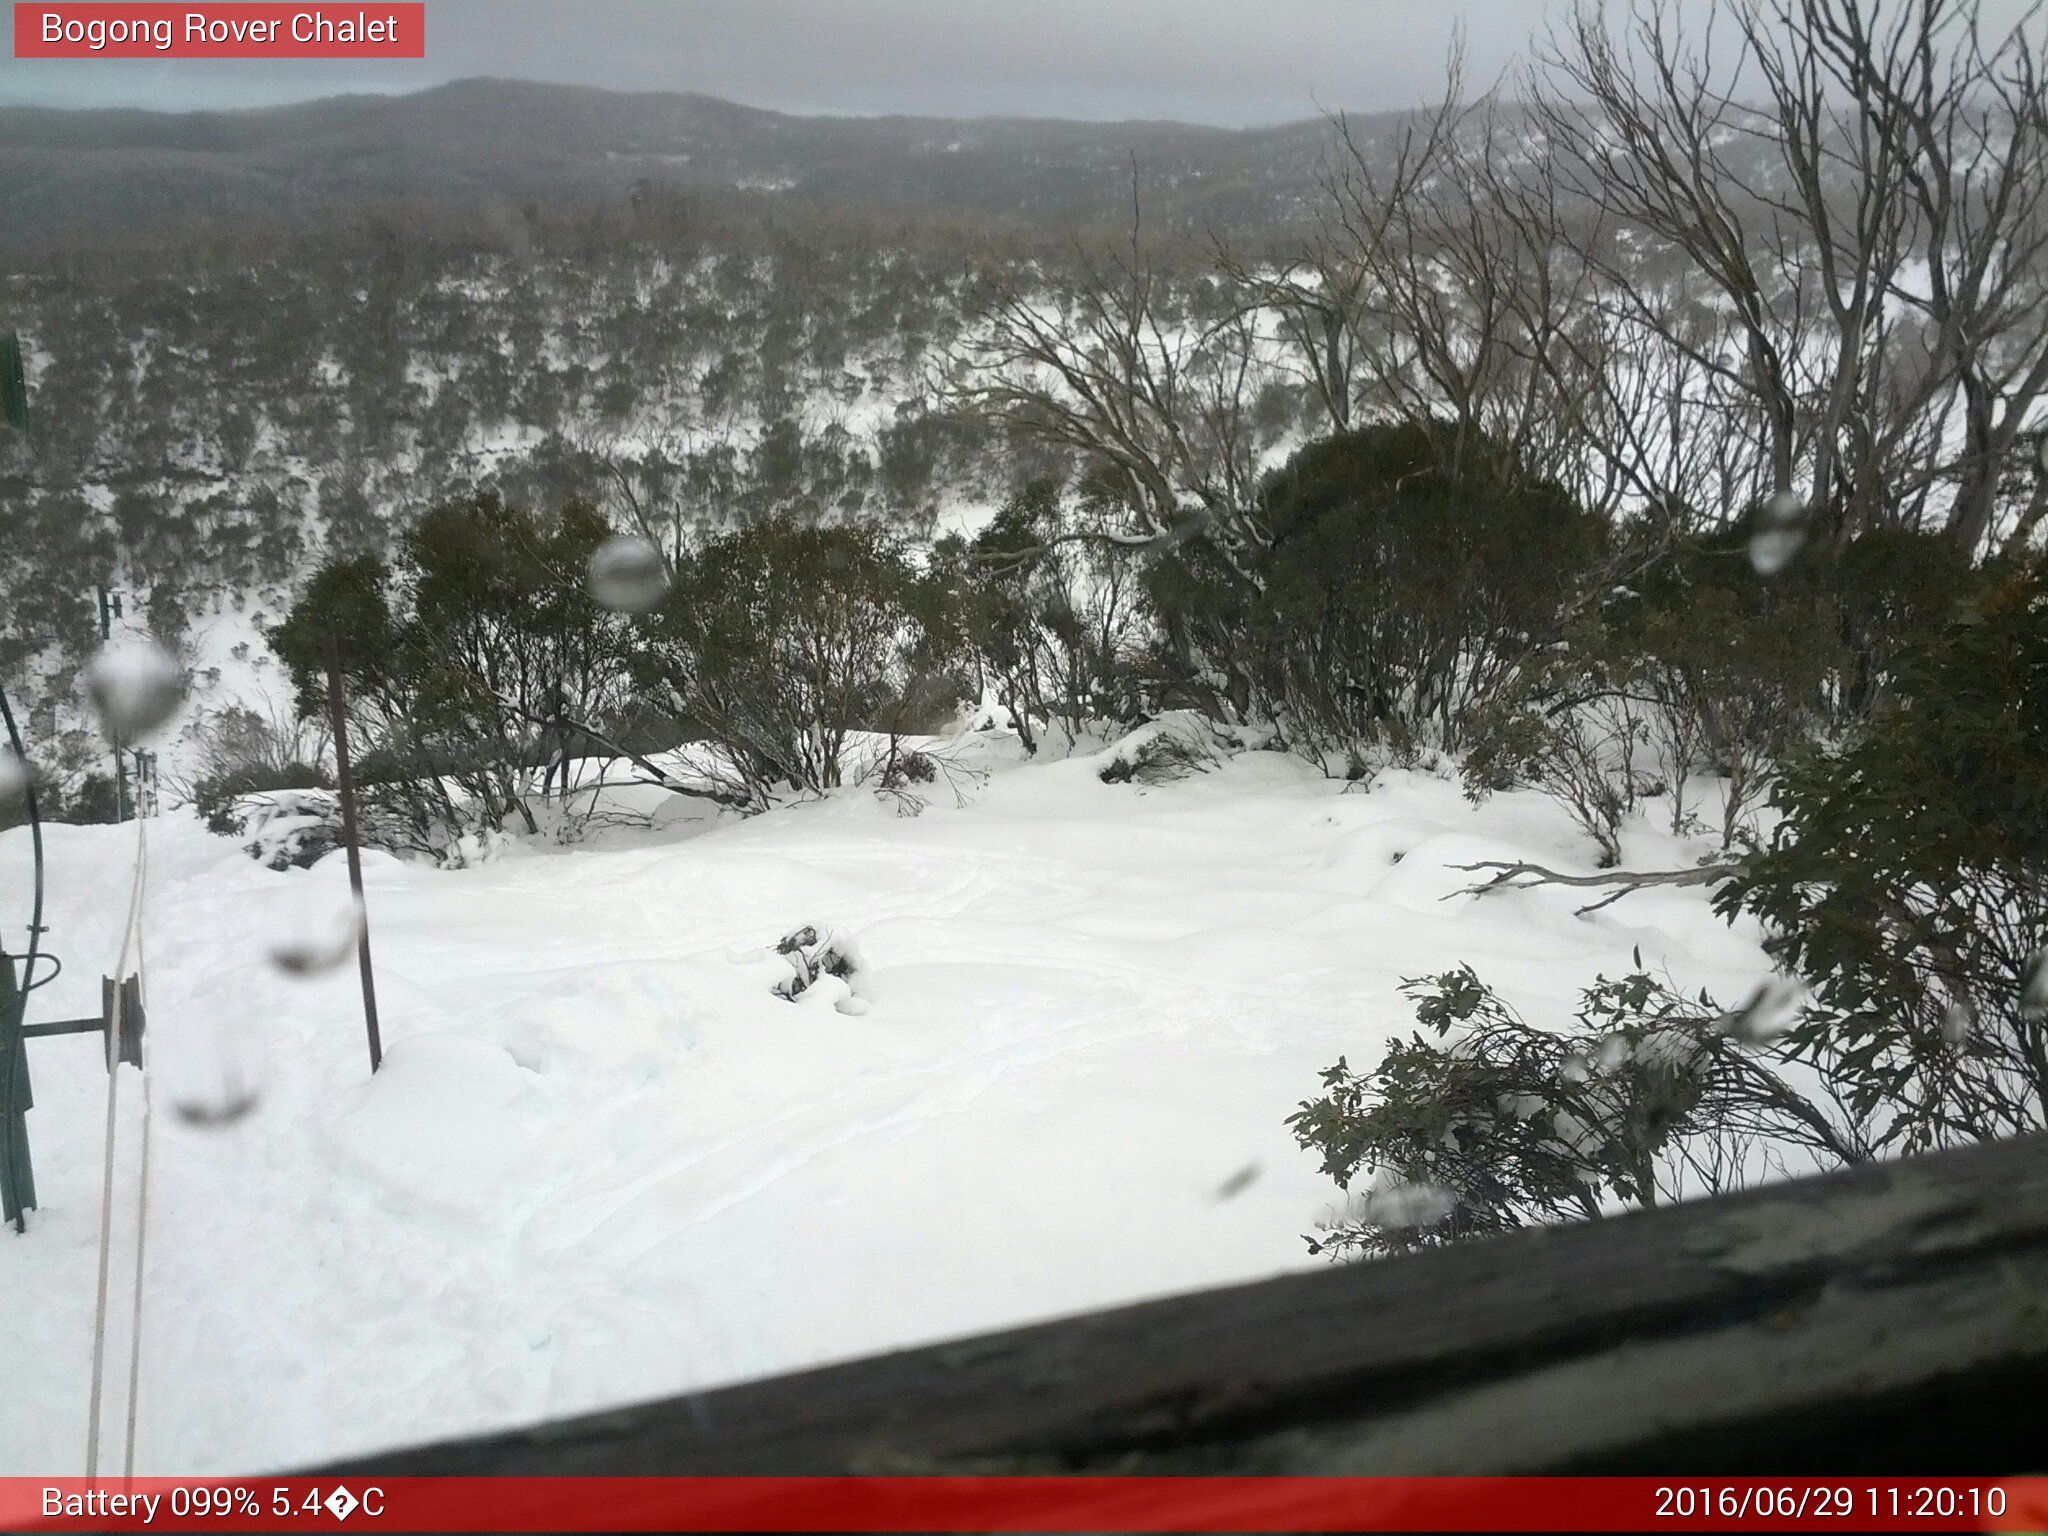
(1888, 1319)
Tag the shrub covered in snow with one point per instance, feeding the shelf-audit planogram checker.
(280, 829)
(1405, 572)
(1498, 1123)
(1172, 747)
(780, 641)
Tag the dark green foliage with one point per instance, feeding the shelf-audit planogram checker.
(1700, 664)
(13, 383)
(87, 800)
(343, 611)
(468, 671)
(1908, 883)
(1049, 613)
(1398, 587)
(780, 640)
(1496, 1123)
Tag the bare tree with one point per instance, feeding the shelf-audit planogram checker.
(1861, 191)
(1111, 364)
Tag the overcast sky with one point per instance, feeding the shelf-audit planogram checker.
(1221, 61)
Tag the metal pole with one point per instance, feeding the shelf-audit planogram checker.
(109, 606)
(344, 783)
(15, 1169)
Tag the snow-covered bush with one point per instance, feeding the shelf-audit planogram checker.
(1496, 1123)
(817, 954)
(779, 641)
(471, 670)
(241, 753)
(1404, 575)
(1172, 747)
(1051, 613)
(282, 829)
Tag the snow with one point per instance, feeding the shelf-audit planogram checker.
(605, 1161)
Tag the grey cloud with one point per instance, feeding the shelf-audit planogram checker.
(1223, 61)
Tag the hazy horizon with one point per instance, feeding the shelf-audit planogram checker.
(1198, 61)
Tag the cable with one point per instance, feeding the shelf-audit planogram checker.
(35, 926)
(141, 1214)
(141, 1242)
(116, 1028)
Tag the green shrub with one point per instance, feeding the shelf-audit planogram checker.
(1497, 1123)
(467, 666)
(1908, 883)
(782, 639)
(1396, 591)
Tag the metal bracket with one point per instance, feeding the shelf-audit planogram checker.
(17, 1171)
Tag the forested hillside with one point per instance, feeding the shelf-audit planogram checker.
(75, 175)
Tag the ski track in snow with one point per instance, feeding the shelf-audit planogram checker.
(604, 1162)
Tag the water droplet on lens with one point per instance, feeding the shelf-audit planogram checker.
(13, 776)
(1778, 531)
(208, 1071)
(1772, 1009)
(316, 933)
(1958, 1022)
(626, 575)
(2034, 986)
(1402, 1206)
(218, 1111)
(134, 687)
(1238, 1182)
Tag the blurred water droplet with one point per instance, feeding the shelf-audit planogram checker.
(1613, 1051)
(1958, 1022)
(626, 575)
(315, 932)
(2041, 452)
(13, 776)
(220, 1111)
(1772, 1009)
(1238, 1182)
(1577, 1068)
(2034, 986)
(134, 687)
(1188, 523)
(1402, 1205)
(1778, 532)
(209, 1071)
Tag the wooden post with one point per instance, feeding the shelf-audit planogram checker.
(344, 783)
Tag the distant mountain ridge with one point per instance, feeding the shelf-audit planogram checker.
(106, 171)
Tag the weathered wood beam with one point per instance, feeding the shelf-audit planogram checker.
(1889, 1318)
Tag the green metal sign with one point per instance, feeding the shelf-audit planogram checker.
(13, 383)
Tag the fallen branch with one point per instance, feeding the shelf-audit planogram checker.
(658, 777)
(1522, 876)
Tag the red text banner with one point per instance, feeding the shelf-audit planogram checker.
(109, 29)
(1051, 1504)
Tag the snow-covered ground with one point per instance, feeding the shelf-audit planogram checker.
(604, 1161)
